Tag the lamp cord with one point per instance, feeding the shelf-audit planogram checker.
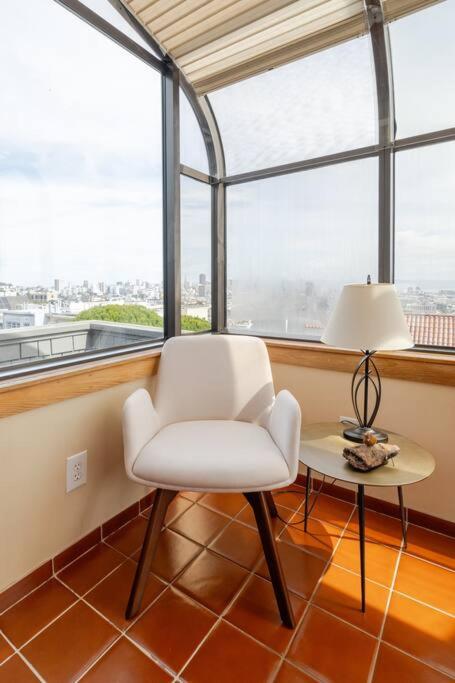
(316, 495)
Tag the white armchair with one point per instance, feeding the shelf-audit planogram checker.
(216, 426)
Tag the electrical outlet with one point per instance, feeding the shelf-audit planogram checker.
(344, 419)
(76, 471)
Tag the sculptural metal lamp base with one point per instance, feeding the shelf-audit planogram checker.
(357, 434)
(367, 382)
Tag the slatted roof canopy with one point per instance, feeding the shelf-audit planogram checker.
(219, 42)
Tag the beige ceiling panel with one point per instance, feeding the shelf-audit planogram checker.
(284, 55)
(393, 9)
(152, 12)
(292, 12)
(218, 26)
(216, 14)
(179, 13)
(139, 5)
(263, 44)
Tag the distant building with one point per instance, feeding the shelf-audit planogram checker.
(203, 290)
(16, 319)
(13, 303)
(432, 330)
(41, 296)
(197, 311)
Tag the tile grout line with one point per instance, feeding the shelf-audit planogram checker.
(21, 656)
(26, 595)
(121, 632)
(81, 598)
(425, 604)
(425, 663)
(315, 589)
(243, 584)
(424, 559)
(370, 539)
(124, 632)
(214, 626)
(384, 619)
(384, 514)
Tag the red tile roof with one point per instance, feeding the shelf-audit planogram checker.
(432, 330)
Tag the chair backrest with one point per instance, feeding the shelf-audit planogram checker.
(214, 377)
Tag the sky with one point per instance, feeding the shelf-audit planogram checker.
(80, 157)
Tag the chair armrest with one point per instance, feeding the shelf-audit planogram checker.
(284, 428)
(140, 424)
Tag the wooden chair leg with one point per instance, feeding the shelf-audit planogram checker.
(271, 504)
(160, 504)
(258, 502)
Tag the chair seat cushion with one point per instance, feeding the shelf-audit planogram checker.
(214, 455)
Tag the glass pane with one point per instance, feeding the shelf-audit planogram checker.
(293, 241)
(196, 254)
(192, 145)
(322, 104)
(105, 10)
(80, 188)
(425, 241)
(423, 56)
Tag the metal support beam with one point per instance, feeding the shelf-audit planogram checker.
(100, 24)
(218, 258)
(171, 203)
(131, 18)
(386, 236)
(201, 177)
(445, 135)
(304, 165)
(386, 131)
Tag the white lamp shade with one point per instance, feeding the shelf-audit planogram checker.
(368, 317)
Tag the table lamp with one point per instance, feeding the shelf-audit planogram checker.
(368, 317)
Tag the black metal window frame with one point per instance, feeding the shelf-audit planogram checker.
(173, 81)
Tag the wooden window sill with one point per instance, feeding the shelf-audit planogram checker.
(414, 366)
(36, 391)
(19, 395)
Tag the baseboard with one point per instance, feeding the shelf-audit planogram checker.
(442, 526)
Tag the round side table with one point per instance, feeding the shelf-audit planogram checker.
(321, 450)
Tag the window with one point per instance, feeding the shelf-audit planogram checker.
(80, 188)
(425, 241)
(293, 241)
(423, 56)
(319, 105)
(196, 254)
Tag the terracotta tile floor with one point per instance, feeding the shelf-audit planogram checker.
(209, 612)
